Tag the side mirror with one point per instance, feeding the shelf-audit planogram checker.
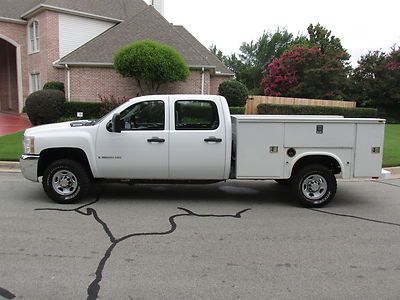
(116, 123)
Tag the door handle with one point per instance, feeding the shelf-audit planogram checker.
(156, 140)
(213, 139)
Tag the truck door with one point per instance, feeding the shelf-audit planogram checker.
(197, 139)
(140, 151)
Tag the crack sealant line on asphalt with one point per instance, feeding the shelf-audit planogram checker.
(354, 217)
(94, 287)
(6, 294)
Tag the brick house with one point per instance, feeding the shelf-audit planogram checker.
(73, 41)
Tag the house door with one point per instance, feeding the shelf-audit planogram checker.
(8, 77)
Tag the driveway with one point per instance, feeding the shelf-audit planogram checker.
(235, 240)
(13, 123)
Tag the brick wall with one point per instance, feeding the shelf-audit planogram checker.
(216, 80)
(42, 61)
(88, 82)
(17, 33)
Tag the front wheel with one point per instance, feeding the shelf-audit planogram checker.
(314, 185)
(66, 181)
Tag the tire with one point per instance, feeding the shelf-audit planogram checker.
(66, 181)
(314, 185)
(283, 181)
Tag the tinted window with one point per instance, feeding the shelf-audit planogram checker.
(196, 115)
(148, 115)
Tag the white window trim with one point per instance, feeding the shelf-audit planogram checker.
(34, 85)
(33, 46)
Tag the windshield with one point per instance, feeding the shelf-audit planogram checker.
(97, 121)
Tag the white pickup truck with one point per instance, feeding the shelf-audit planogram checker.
(194, 139)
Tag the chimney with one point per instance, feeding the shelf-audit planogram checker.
(159, 5)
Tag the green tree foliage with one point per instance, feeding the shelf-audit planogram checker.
(234, 91)
(318, 68)
(151, 64)
(253, 56)
(376, 80)
(322, 38)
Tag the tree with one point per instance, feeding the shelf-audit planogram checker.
(376, 79)
(253, 56)
(317, 67)
(151, 64)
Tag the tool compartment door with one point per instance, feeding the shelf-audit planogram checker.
(369, 150)
(260, 152)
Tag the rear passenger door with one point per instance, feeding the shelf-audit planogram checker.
(197, 139)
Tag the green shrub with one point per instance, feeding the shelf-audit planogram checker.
(237, 110)
(277, 109)
(91, 110)
(54, 85)
(235, 92)
(392, 115)
(44, 107)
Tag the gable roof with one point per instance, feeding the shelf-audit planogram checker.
(101, 49)
(115, 9)
(132, 18)
(13, 9)
(209, 56)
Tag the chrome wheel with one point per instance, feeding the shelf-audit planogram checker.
(314, 187)
(64, 183)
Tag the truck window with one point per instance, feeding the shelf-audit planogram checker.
(196, 115)
(147, 115)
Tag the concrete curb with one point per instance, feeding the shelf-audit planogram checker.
(9, 167)
(13, 167)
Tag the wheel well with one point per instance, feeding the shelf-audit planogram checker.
(327, 161)
(50, 155)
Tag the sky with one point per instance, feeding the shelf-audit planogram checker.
(361, 25)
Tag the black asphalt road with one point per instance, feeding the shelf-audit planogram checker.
(236, 240)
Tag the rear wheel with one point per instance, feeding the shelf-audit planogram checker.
(314, 185)
(66, 181)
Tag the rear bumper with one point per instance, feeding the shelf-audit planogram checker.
(29, 166)
(385, 174)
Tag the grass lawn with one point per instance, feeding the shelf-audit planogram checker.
(391, 154)
(11, 146)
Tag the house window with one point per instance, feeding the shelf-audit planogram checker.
(34, 37)
(34, 82)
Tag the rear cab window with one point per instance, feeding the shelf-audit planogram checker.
(196, 115)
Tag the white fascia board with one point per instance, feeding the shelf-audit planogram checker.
(195, 67)
(59, 64)
(9, 20)
(94, 64)
(41, 7)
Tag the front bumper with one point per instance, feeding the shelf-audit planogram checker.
(29, 166)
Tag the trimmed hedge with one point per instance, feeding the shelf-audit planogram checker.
(91, 110)
(234, 91)
(237, 110)
(278, 109)
(54, 85)
(45, 106)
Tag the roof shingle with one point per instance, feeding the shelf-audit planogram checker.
(116, 9)
(102, 48)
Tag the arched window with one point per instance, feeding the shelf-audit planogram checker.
(34, 36)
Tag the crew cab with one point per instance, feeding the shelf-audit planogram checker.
(194, 139)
